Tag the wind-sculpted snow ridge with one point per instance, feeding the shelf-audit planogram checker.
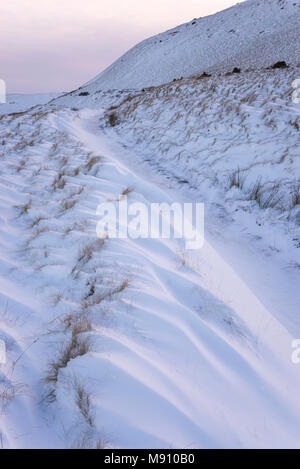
(130, 342)
(234, 139)
(253, 34)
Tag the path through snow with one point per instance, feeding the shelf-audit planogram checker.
(193, 353)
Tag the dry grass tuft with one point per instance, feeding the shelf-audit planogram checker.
(96, 299)
(295, 197)
(76, 347)
(79, 344)
(77, 323)
(113, 119)
(59, 182)
(83, 402)
(88, 439)
(37, 233)
(237, 179)
(75, 227)
(21, 166)
(24, 208)
(126, 191)
(9, 391)
(86, 253)
(36, 221)
(76, 192)
(268, 198)
(76, 171)
(92, 162)
(67, 205)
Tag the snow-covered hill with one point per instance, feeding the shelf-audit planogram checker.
(134, 343)
(234, 139)
(131, 343)
(252, 34)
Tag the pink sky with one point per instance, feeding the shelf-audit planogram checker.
(57, 45)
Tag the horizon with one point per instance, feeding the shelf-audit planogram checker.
(53, 48)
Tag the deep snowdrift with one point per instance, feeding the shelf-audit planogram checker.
(253, 34)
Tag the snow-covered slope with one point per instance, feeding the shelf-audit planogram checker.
(131, 343)
(253, 34)
(134, 343)
(234, 139)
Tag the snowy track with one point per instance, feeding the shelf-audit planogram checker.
(189, 354)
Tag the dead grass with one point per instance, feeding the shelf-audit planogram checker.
(85, 254)
(76, 192)
(271, 198)
(77, 346)
(67, 205)
(37, 233)
(92, 162)
(88, 439)
(83, 402)
(59, 182)
(64, 161)
(255, 191)
(76, 171)
(24, 208)
(9, 391)
(295, 197)
(77, 323)
(237, 179)
(36, 221)
(265, 198)
(75, 227)
(21, 166)
(56, 298)
(126, 191)
(113, 119)
(109, 294)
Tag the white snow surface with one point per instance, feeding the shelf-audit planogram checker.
(19, 102)
(252, 34)
(185, 349)
(234, 140)
(125, 343)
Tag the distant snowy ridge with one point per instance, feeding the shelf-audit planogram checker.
(255, 33)
(18, 102)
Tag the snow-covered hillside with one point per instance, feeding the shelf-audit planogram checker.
(140, 343)
(252, 34)
(233, 139)
(132, 343)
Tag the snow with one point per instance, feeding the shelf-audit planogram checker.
(140, 343)
(209, 132)
(22, 102)
(165, 346)
(253, 34)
